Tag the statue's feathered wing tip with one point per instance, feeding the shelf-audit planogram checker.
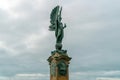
(54, 14)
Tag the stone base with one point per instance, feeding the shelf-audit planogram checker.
(59, 65)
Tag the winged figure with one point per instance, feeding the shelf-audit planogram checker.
(56, 24)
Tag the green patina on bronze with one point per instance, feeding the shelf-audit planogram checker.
(62, 68)
(57, 26)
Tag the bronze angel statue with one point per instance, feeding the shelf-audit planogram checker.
(57, 26)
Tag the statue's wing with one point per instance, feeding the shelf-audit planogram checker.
(54, 14)
(60, 12)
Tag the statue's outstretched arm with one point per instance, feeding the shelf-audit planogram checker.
(64, 25)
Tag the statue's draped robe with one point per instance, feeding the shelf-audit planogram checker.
(59, 32)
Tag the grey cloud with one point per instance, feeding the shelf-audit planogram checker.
(91, 37)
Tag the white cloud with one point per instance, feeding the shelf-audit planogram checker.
(7, 48)
(99, 73)
(31, 75)
(109, 73)
(12, 7)
(4, 78)
(8, 5)
(107, 78)
(31, 41)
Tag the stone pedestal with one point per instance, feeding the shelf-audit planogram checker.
(59, 65)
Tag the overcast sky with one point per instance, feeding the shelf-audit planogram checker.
(92, 37)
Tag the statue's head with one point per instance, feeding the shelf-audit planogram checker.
(59, 18)
(62, 68)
